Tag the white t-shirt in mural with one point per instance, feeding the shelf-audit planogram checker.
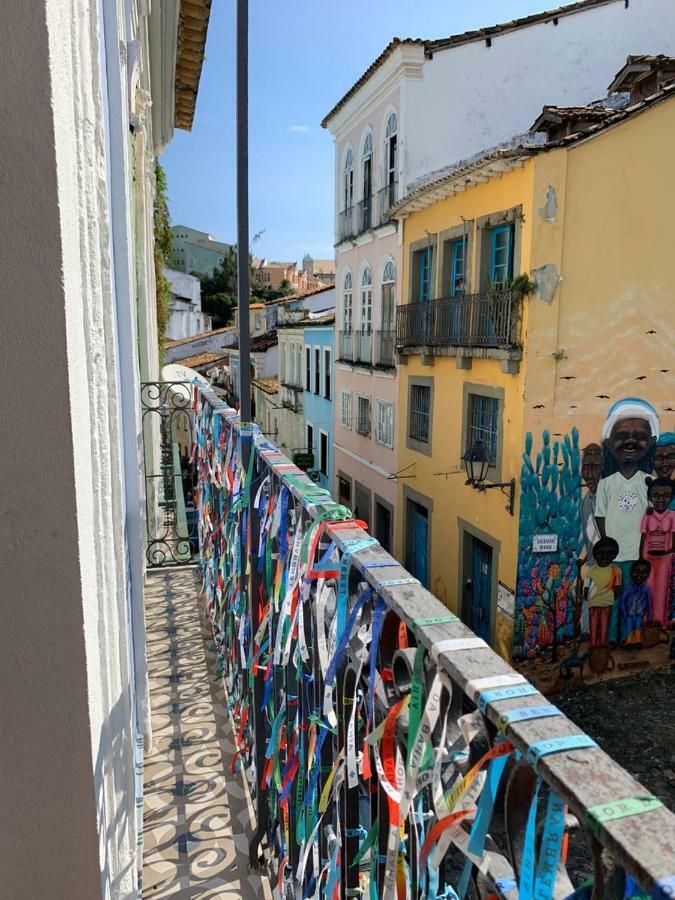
(622, 502)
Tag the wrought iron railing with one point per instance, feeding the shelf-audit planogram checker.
(491, 320)
(346, 346)
(386, 198)
(364, 348)
(385, 345)
(391, 753)
(346, 224)
(170, 516)
(364, 214)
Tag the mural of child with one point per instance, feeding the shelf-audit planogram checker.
(606, 581)
(591, 472)
(628, 436)
(635, 605)
(658, 544)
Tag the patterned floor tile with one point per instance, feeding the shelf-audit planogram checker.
(197, 822)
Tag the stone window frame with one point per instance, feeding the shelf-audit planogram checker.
(483, 224)
(445, 238)
(410, 442)
(469, 389)
(413, 266)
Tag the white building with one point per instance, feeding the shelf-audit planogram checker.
(91, 92)
(187, 318)
(291, 426)
(419, 107)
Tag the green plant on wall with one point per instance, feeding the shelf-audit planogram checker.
(162, 229)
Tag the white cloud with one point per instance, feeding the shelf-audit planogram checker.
(299, 129)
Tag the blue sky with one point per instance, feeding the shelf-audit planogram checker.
(304, 55)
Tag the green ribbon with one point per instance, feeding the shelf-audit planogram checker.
(619, 809)
(371, 837)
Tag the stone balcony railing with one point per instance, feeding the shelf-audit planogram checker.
(390, 752)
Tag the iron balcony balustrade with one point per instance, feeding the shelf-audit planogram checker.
(386, 198)
(366, 712)
(490, 320)
(385, 345)
(364, 348)
(346, 224)
(364, 214)
(346, 345)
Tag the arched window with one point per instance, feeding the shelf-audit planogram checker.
(347, 304)
(388, 296)
(391, 159)
(366, 301)
(349, 179)
(367, 172)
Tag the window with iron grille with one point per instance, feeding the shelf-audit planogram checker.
(483, 424)
(346, 409)
(420, 411)
(317, 370)
(363, 415)
(384, 423)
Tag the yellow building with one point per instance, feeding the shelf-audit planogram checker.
(584, 214)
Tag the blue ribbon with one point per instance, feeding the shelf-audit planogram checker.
(549, 849)
(527, 874)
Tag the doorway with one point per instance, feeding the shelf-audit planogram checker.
(383, 524)
(420, 544)
(478, 584)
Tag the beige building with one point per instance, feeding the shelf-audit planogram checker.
(273, 274)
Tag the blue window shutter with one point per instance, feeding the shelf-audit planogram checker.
(501, 254)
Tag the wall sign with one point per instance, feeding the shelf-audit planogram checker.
(544, 543)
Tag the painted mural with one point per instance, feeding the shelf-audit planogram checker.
(596, 564)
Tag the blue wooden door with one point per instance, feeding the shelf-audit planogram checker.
(420, 545)
(481, 588)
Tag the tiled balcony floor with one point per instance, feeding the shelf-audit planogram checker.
(197, 818)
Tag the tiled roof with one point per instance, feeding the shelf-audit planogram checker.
(268, 385)
(638, 65)
(500, 159)
(198, 337)
(193, 24)
(465, 37)
(261, 342)
(203, 359)
(310, 293)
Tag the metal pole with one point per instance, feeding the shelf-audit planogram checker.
(243, 270)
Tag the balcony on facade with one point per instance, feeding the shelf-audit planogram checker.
(346, 345)
(384, 346)
(368, 348)
(369, 213)
(291, 396)
(479, 325)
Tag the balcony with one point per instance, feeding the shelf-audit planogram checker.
(490, 320)
(346, 224)
(364, 348)
(346, 346)
(385, 345)
(319, 721)
(364, 214)
(386, 198)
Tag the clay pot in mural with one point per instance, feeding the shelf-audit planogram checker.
(600, 660)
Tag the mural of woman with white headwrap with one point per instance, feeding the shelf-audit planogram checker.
(628, 438)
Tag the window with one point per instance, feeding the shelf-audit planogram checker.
(501, 254)
(310, 438)
(326, 373)
(483, 424)
(323, 453)
(363, 415)
(317, 370)
(308, 368)
(347, 306)
(420, 413)
(457, 267)
(390, 158)
(348, 180)
(346, 409)
(258, 322)
(368, 166)
(388, 289)
(344, 490)
(366, 301)
(422, 269)
(384, 423)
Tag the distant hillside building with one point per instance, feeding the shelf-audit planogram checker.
(185, 305)
(272, 275)
(322, 269)
(196, 251)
